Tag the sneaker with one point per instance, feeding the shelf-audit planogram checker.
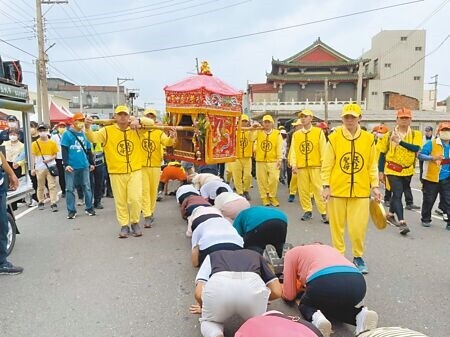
(32, 203)
(98, 205)
(160, 196)
(274, 202)
(149, 221)
(71, 215)
(265, 201)
(366, 320)
(124, 232)
(54, 207)
(291, 198)
(361, 265)
(90, 212)
(445, 217)
(324, 219)
(8, 268)
(404, 229)
(448, 227)
(80, 202)
(41, 206)
(307, 216)
(439, 212)
(270, 253)
(426, 224)
(412, 207)
(136, 229)
(247, 196)
(321, 323)
(391, 219)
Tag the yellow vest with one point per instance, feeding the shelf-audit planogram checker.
(245, 145)
(430, 168)
(350, 175)
(268, 146)
(152, 143)
(307, 148)
(122, 148)
(398, 154)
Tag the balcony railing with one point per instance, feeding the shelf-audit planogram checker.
(300, 105)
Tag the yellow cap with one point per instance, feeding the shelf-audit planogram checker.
(297, 122)
(351, 109)
(305, 112)
(122, 108)
(268, 118)
(150, 111)
(245, 118)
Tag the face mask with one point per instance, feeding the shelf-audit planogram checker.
(444, 135)
(61, 130)
(13, 138)
(94, 127)
(12, 125)
(43, 134)
(79, 125)
(380, 135)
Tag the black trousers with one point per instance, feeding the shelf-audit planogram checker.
(335, 295)
(61, 176)
(430, 192)
(272, 232)
(398, 186)
(98, 183)
(408, 196)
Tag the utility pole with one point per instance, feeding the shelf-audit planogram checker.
(326, 99)
(119, 82)
(435, 91)
(196, 65)
(38, 92)
(43, 59)
(81, 99)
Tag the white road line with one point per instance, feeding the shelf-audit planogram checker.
(18, 216)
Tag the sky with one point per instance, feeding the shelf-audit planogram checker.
(83, 29)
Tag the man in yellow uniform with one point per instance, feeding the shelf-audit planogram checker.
(307, 147)
(292, 177)
(398, 150)
(242, 168)
(268, 155)
(349, 175)
(151, 142)
(122, 147)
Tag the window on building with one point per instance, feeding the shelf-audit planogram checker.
(375, 66)
(416, 78)
(95, 99)
(75, 99)
(387, 65)
(418, 48)
(403, 38)
(374, 93)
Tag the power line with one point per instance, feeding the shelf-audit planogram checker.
(420, 59)
(161, 22)
(246, 35)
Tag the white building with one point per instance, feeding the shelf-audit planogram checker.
(397, 61)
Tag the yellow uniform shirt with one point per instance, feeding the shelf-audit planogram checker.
(430, 168)
(349, 165)
(152, 144)
(269, 146)
(245, 144)
(307, 148)
(398, 154)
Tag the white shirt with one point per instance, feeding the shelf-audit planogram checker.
(185, 189)
(209, 189)
(202, 178)
(57, 139)
(214, 231)
(199, 211)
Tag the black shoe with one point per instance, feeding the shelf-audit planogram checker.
(404, 229)
(8, 268)
(54, 207)
(307, 216)
(63, 195)
(411, 207)
(41, 206)
(325, 219)
(71, 215)
(98, 205)
(387, 203)
(90, 212)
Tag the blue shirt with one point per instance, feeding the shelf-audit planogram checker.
(77, 157)
(425, 154)
(252, 217)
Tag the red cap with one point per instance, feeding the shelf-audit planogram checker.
(403, 112)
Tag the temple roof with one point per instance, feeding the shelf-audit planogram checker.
(318, 65)
(312, 77)
(318, 52)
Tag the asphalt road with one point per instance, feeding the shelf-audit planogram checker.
(80, 280)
